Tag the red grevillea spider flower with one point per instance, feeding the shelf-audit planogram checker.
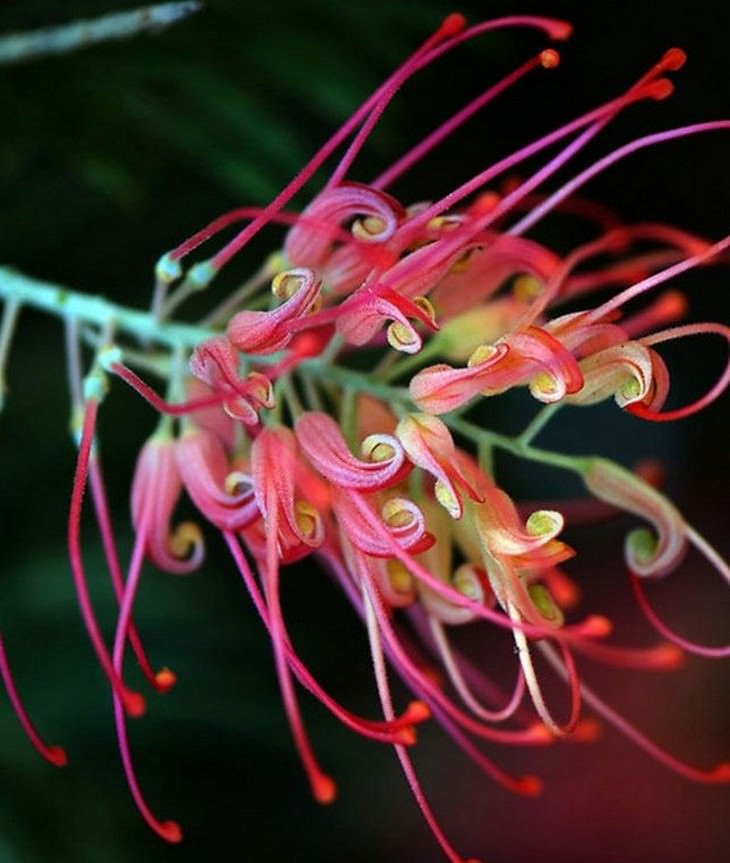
(290, 448)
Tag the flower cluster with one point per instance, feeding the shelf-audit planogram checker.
(320, 411)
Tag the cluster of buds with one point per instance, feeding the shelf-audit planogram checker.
(320, 412)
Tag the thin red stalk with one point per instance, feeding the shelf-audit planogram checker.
(416, 153)
(164, 679)
(323, 786)
(158, 403)
(55, 755)
(399, 731)
(607, 110)
(429, 51)
(525, 786)
(532, 735)
(719, 773)
(168, 830)
(308, 171)
(657, 279)
(669, 634)
(460, 685)
(593, 626)
(133, 702)
(716, 390)
(659, 657)
(381, 680)
(606, 162)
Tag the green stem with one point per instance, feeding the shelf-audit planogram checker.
(410, 362)
(21, 47)
(65, 303)
(357, 381)
(481, 437)
(539, 421)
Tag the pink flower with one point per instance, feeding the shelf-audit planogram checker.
(266, 332)
(155, 492)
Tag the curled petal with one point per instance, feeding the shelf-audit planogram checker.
(275, 471)
(650, 411)
(224, 496)
(215, 362)
(376, 213)
(538, 357)
(469, 580)
(429, 445)
(402, 519)
(257, 332)
(156, 476)
(362, 315)
(498, 523)
(485, 270)
(460, 336)
(441, 388)
(623, 371)
(647, 554)
(321, 440)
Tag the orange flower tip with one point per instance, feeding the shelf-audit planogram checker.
(660, 89)
(473, 860)
(549, 58)
(407, 736)
(165, 680)
(539, 733)
(529, 786)
(669, 656)
(171, 832)
(324, 789)
(721, 773)
(674, 59)
(586, 731)
(134, 704)
(57, 756)
(597, 626)
(673, 304)
(559, 30)
(452, 25)
(418, 711)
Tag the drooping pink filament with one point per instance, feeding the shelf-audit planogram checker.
(55, 755)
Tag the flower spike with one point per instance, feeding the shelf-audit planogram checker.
(324, 420)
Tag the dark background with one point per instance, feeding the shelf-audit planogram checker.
(111, 156)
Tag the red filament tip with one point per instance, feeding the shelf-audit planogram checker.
(452, 25)
(529, 786)
(171, 831)
(417, 711)
(721, 773)
(673, 60)
(165, 680)
(134, 704)
(549, 58)
(57, 756)
(324, 789)
(586, 731)
(660, 89)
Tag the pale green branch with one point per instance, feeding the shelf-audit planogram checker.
(33, 44)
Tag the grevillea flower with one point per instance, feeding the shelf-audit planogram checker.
(323, 419)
